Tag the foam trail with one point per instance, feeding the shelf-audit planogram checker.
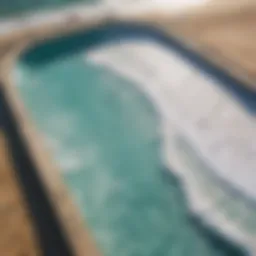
(199, 144)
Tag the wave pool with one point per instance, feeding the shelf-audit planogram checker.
(103, 133)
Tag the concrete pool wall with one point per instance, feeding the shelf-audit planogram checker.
(126, 30)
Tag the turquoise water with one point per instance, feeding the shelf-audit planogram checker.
(103, 133)
(17, 7)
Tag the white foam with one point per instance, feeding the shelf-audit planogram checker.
(190, 104)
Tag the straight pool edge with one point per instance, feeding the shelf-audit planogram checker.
(56, 218)
(51, 237)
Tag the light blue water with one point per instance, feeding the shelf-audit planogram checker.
(103, 133)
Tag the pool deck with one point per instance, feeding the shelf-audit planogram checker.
(18, 236)
(229, 44)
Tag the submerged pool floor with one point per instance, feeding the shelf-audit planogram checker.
(103, 134)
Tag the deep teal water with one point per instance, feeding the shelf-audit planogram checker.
(103, 134)
(19, 7)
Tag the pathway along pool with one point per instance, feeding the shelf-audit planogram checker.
(103, 133)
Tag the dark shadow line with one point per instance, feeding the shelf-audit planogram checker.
(52, 241)
(44, 52)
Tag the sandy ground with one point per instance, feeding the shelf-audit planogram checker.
(17, 236)
(229, 38)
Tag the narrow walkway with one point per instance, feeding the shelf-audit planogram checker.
(17, 233)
